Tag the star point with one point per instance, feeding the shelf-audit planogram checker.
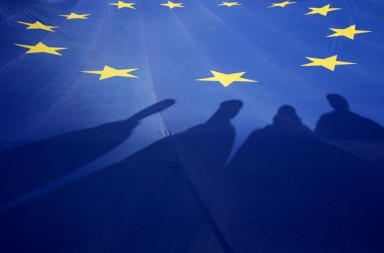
(108, 72)
(38, 25)
(328, 63)
(348, 32)
(226, 79)
(282, 4)
(322, 10)
(121, 4)
(73, 15)
(172, 5)
(229, 4)
(41, 48)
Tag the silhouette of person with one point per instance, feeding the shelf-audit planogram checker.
(286, 117)
(351, 132)
(150, 202)
(288, 191)
(207, 146)
(344, 124)
(28, 167)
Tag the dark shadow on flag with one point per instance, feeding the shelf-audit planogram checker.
(150, 202)
(351, 132)
(26, 168)
(289, 191)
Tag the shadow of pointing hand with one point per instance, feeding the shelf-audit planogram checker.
(25, 168)
(155, 195)
(155, 108)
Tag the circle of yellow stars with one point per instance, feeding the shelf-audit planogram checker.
(225, 79)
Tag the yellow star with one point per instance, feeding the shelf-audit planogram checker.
(122, 4)
(348, 32)
(323, 10)
(172, 5)
(328, 63)
(226, 79)
(75, 16)
(41, 48)
(229, 4)
(38, 25)
(282, 4)
(109, 72)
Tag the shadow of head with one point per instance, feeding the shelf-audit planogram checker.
(227, 110)
(286, 115)
(338, 103)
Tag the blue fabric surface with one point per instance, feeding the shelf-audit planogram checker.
(136, 127)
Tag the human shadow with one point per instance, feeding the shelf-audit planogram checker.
(351, 132)
(28, 167)
(289, 191)
(150, 202)
(341, 123)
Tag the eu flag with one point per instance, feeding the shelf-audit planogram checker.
(191, 126)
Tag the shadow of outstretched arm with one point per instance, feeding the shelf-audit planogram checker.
(28, 167)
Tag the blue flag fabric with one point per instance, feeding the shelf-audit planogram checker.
(191, 126)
